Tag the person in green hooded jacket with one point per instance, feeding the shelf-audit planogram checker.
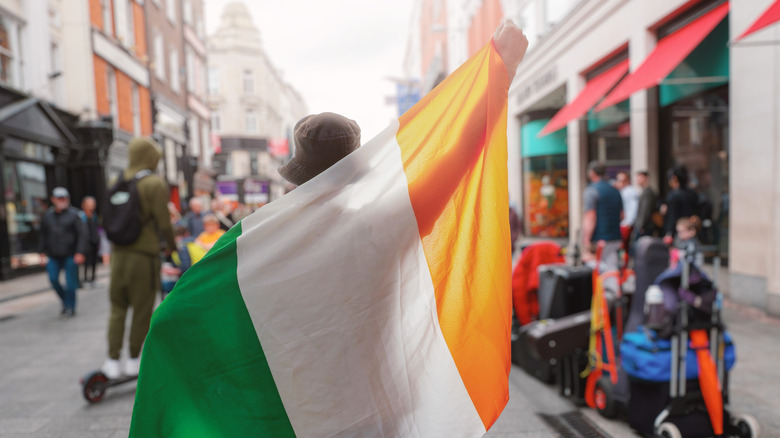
(135, 268)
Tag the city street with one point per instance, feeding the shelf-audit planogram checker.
(44, 357)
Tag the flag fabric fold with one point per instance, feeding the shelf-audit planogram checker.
(372, 301)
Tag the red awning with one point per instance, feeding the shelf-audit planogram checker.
(668, 54)
(771, 15)
(594, 90)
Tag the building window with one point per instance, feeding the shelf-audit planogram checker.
(216, 122)
(249, 83)
(204, 137)
(189, 61)
(159, 56)
(136, 111)
(108, 18)
(170, 9)
(251, 121)
(10, 64)
(187, 6)
(174, 62)
(130, 25)
(213, 76)
(113, 100)
(194, 140)
(55, 73)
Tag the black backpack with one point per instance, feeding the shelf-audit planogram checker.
(122, 212)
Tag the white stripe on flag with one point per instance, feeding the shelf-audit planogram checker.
(338, 288)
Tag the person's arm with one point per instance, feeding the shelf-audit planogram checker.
(589, 217)
(511, 44)
(161, 216)
(82, 241)
(43, 231)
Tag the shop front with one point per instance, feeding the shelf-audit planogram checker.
(545, 178)
(35, 149)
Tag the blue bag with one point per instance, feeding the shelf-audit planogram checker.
(644, 356)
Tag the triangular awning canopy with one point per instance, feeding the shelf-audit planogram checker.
(770, 16)
(34, 119)
(594, 90)
(666, 56)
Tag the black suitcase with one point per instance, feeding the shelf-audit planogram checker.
(564, 290)
(543, 370)
(555, 338)
(649, 399)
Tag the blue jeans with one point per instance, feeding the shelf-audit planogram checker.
(68, 293)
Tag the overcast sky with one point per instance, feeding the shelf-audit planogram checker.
(337, 54)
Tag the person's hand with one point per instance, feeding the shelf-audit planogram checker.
(511, 45)
(78, 258)
(668, 239)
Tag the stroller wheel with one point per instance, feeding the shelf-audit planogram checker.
(747, 426)
(669, 430)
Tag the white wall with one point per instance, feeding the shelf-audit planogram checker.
(78, 64)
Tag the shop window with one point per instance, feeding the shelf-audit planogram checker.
(545, 180)
(696, 131)
(26, 201)
(546, 193)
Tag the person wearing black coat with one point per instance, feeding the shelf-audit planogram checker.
(680, 202)
(63, 240)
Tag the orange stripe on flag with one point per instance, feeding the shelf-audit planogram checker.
(453, 145)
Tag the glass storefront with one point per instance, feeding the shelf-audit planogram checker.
(697, 132)
(609, 138)
(545, 181)
(26, 201)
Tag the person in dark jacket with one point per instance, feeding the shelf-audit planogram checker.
(63, 240)
(135, 268)
(647, 206)
(680, 202)
(90, 220)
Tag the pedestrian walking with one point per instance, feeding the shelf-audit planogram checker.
(90, 220)
(135, 268)
(63, 241)
(601, 221)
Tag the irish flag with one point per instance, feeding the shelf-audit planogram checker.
(372, 301)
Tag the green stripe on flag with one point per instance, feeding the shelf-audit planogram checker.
(203, 371)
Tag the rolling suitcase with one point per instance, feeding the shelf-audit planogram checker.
(555, 338)
(542, 369)
(564, 290)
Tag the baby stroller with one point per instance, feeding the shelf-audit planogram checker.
(678, 362)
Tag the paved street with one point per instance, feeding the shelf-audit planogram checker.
(43, 357)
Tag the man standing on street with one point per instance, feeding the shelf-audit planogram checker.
(601, 221)
(63, 240)
(135, 268)
(647, 206)
(630, 196)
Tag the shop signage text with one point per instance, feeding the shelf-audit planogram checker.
(537, 84)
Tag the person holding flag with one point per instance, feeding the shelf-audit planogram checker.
(374, 300)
